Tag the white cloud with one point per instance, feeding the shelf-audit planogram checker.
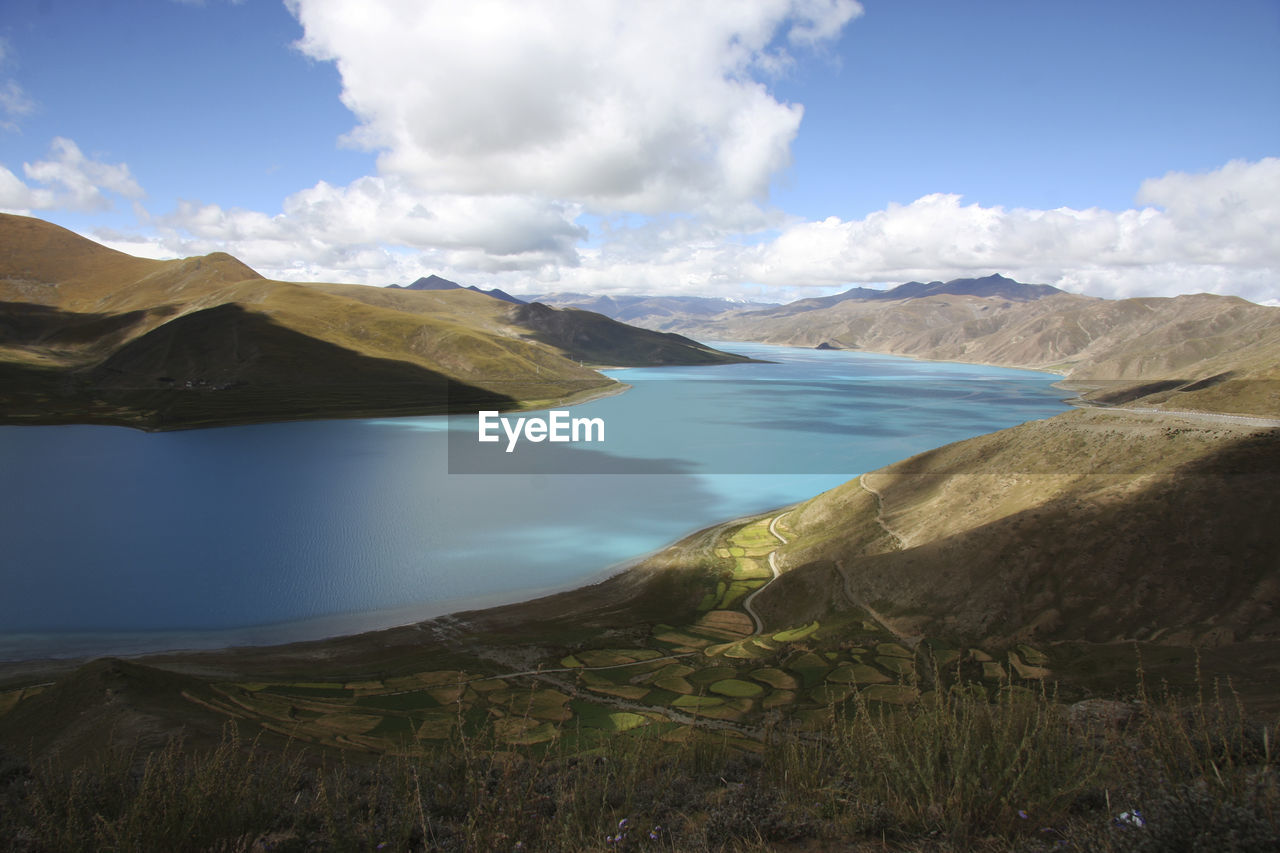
(500, 123)
(616, 105)
(1212, 232)
(1230, 215)
(14, 104)
(373, 219)
(68, 180)
(501, 126)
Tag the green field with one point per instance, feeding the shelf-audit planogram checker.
(736, 687)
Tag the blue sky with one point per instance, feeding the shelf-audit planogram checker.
(1034, 104)
(788, 148)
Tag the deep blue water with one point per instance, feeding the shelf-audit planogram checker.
(118, 541)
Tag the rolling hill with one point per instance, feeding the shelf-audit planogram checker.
(89, 334)
(1094, 525)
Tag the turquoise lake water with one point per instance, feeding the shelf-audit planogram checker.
(118, 541)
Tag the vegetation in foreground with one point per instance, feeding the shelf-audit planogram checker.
(966, 767)
(589, 724)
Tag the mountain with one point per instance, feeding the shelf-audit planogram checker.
(662, 313)
(668, 313)
(1194, 351)
(1198, 351)
(435, 282)
(596, 339)
(989, 286)
(992, 286)
(431, 282)
(89, 334)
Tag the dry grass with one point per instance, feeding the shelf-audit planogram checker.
(955, 770)
(1087, 526)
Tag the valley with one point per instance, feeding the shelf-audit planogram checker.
(1060, 595)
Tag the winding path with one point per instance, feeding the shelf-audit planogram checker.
(1214, 417)
(773, 566)
(910, 640)
(898, 537)
(540, 671)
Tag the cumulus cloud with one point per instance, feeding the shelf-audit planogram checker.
(499, 124)
(374, 220)
(504, 129)
(1209, 232)
(646, 107)
(67, 180)
(1212, 232)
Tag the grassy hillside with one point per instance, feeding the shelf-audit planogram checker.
(1097, 526)
(648, 709)
(594, 337)
(90, 334)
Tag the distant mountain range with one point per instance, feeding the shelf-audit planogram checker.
(649, 312)
(1218, 353)
(990, 287)
(89, 334)
(435, 282)
(668, 313)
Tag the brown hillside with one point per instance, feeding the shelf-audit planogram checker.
(109, 702)
(39, 261)
(91, 334)
(596, 338)
(1124, 347)
(1088, 526)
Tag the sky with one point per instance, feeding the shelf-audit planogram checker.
(760, 150)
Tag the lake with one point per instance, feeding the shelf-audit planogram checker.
(118, 541)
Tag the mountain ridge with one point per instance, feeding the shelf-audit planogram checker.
(94, 335)
(1196, 351)
(435, 282)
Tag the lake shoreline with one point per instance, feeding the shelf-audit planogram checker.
(437, 409)
(266, 637)
(630, 594)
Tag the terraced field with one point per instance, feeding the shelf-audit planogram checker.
(746, 555)
(714, 673)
